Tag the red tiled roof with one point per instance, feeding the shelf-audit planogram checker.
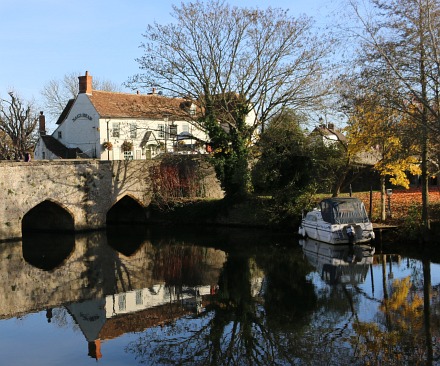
(153, 106)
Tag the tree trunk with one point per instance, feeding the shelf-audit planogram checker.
(425, 138)
(382, 199)
(425, 192)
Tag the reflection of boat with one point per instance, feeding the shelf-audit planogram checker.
(338, 221)
(339, 263)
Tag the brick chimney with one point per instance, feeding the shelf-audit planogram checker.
(85, 83)
(42, 124)
(95, 349)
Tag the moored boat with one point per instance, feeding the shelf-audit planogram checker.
(339, 220)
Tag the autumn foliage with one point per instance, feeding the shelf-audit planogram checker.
(404, 202)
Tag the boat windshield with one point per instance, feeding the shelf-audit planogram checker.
(343, 211)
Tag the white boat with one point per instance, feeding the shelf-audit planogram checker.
(346, 264)
(338, 221)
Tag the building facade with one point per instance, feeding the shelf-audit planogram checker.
(116, 126)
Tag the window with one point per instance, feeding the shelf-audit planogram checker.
(192, 110)
(60, 135)
(128, 155)
(133, 130)
(116, 129)
(185, 128)
(161, 129)
(139, 298)
(44, 155)
(121, 302)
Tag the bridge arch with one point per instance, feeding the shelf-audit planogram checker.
(127, 210)
(48, 216)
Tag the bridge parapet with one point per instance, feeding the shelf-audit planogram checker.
(84, 189)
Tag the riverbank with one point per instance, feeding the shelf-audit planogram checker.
(253, 212)
(256, 211)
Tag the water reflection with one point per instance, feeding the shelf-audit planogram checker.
(47, 250)
(126, 239)
(339, 263)
(248, 298)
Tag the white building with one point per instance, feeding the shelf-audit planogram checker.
(115, 126)
(328, 134)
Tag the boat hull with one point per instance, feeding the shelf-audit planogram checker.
(337, 234)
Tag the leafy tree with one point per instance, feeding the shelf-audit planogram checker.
(333, 162)
(400, 49)
(382, 132)
(292, 166)
(57, 92)
(231, 62)
(17, 123)
(284, 168)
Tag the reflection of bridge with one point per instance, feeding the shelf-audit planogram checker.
(92, 269)
(105, 291)
(75, 195)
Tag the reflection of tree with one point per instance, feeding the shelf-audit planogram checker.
(179, 264)
(401, 339)
(289, 296)
(240, 324)
(62, 318)
(310, 322)
(427, 308)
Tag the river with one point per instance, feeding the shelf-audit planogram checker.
(209, 296)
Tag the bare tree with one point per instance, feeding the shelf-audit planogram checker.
(400, 48)
(230, 61)
(57, 92)
(18, 121)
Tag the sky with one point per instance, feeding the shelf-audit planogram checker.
(43, 40)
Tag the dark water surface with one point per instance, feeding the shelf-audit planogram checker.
(213, 297)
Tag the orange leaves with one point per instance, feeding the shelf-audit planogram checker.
(402, 201)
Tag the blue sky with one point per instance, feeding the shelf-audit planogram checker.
(42, 40)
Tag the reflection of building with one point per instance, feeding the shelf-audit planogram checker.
(339, 263)
(134, 311)
(132, 301)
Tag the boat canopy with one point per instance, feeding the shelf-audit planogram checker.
(343, 210)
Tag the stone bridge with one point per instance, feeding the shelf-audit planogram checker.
(77, 195)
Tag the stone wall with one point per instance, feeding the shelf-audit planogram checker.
(86, 189)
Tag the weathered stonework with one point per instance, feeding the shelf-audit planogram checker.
(86, 189)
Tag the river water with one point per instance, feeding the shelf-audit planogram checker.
(205, 296)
